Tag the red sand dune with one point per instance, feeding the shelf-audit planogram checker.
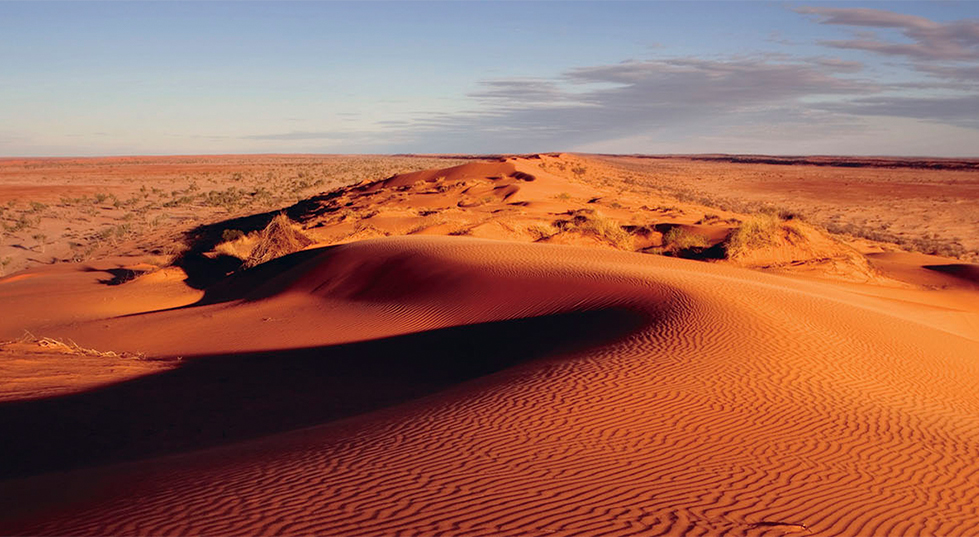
(451, 385)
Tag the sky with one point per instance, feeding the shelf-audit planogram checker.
(150, 78)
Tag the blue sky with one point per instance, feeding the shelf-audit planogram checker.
(118, 78)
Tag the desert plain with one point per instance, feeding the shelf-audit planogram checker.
(543, 344)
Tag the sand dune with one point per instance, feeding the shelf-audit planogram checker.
(491, 395)
(551, 199)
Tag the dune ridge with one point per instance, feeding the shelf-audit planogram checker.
(747, 404)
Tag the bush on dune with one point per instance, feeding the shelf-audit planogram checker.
(678, 239)
(280, 237)
(759, 231)
(590, 222)
(610, 231)
(771, 241)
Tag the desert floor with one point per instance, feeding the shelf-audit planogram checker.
(552, 344)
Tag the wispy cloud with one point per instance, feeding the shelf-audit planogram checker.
(838, 65)
(961, 73)
(764, 98)
(298, 135)
(929, 40)
(676, 95)
(948, 110)
(682, 96)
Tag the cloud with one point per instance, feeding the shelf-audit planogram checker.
(838, 65)
(524, 91)
(949, 110)
(876, 18)
(962, 73)
(298, 135)
(778, 38)
(946, 52)
(929, 40)
(666, 96)
(763, 100)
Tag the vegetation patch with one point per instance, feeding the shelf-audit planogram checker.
(769, 240)
(759, 231)
(281, 237)
(542, 232)
(677, 239)
(590, 222)
(68, 346)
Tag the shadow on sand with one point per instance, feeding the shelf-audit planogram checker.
(203, 271)
(965, 272)
(219, 399)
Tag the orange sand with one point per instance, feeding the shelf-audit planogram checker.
(422, 385)
(730, 402)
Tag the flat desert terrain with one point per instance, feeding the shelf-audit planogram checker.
(547, 344)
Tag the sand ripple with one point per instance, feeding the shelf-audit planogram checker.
(747, 404)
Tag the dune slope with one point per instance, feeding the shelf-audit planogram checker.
(730, 403)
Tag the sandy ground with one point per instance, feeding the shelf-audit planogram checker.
(931, 206)
(82, 209)
(486, 350)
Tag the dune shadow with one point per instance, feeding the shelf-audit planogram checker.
(219, 399)
(246, 284)
(253, 283)
(203, 271)
(963, 271)
(118, 276)
(697, 253)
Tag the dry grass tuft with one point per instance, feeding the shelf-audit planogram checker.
(240, 246)
(542, 232)
(590, 222)
(677, 239)
(679, 242)
(769, 241)
(759, 231)
(608, 230)
(69, 347)
(279, 238)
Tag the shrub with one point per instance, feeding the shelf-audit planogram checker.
(608, 230)
(114, 233)
(709, 218)
(279, 238)
(22, 223)
(176, 202)
(678, 238)
(587, 221)
(232, 234)
(754, 232)
(40, 238)
(542, 232)
(230, 198)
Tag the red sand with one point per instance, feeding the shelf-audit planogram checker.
(424, 385)
(733, 402)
